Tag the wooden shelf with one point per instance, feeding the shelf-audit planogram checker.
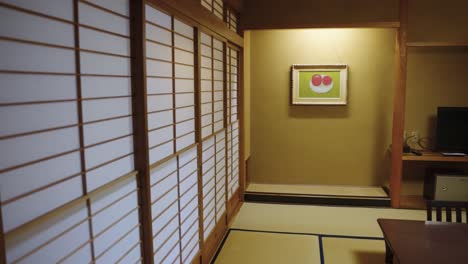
(433, 156)
(437, 44)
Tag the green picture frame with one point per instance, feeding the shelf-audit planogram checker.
(319, 84)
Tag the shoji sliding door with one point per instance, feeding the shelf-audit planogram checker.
(213, 133)
(66, 140)
(170, 66)
(232, 64)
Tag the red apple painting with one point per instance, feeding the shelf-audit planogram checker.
(319, 84)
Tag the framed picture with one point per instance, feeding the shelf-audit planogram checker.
(319, 84)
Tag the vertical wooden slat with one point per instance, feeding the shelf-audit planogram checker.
(458, 214)
(2, 237)
(438, 213)
(399, 107)
(240, 112)
(198, 136)
(448, 214)
(140, 125)
(79, 103)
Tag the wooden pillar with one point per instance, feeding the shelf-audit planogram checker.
(140, 125)
(399, 107)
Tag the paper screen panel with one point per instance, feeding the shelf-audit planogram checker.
(220, 174)
(115, 220)
(54, 240)
(218, 8)
(165, 211)
(209, 188)
(160, 99)
(206, 77)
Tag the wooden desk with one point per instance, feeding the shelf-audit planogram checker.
(414, 242)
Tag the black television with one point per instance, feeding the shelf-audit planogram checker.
(452, 129)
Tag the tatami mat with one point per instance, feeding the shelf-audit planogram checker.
(334, 190)
(256, 248)
(353, 251)
(351, 221)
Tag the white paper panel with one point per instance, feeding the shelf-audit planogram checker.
(206, 97)
(160, 119)
(26, 118)
(217, 44)
(159, 102)
(19, 181)
(218, 85)
(105, 152)
(161, 152)
(218, 126)
(158, 34)
(133, 257)
(19, 150)
(189, 215)
(106, 108)
(192, 252)
(189, 236)
(119, 6)
(206, 131)
(185, 113)
(27, 57)
(206, 108)
(206, 74)
(185, 141)
(185, 127)
(32, 206)
(95, 40)
(188, 170)
(158, 85)
(218, 96)
(164, 234)
(183, 57)
(205, 62)
(57, 8)
(104, 64)
(94, 17)
(206, 120)
(100, 202)
(170, 215)
(59, 247)
(218, 14)
(158, 68)
(163, 170)
(183, 86)
(218, 116)
(234, 69)
(184, 99)
(169, 251)
(208, 188)
(206, 4)
(24, 88)
(165, 202)
(113, 234)
(218, 76)
(218, 65)
(98, 132)
(183, 28)
(35, 28)
(126, 241)
(191, 193)
(184, 71)
(206, 85)
(165, 185)
(205, 51)
(183, 43)
(155, 16)
(160, 135)
(109, 172)
(92, 87)
(218, 106)
(217, 54)
(158, 51)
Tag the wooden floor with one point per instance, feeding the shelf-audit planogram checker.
(275, 233)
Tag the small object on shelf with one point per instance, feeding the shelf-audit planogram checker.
(453, 154)
(416, 152)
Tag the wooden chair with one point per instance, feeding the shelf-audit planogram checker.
(448, 205)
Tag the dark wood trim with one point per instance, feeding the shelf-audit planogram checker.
(240, 111)
(399, 106)
(2, 239)
(79, 103)
(202, 18)
(282, 25)
(140, 125)
(317, 200)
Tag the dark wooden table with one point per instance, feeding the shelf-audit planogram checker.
(414, 242)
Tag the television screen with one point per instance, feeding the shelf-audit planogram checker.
(452, 129)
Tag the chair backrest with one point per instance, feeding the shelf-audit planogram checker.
(459, 207)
